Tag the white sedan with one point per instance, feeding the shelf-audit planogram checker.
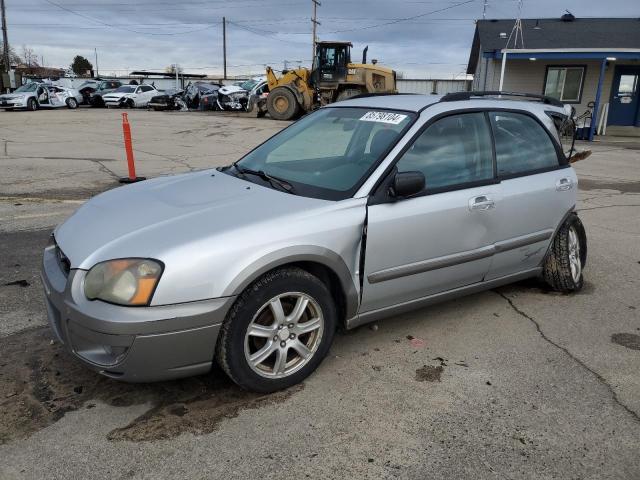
(130, 96)
(32, 96)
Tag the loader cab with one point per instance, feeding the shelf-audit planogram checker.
(330, 65)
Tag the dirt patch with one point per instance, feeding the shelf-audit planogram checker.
(429, 373)
(628, 340)
(40, 383)
(623, 187)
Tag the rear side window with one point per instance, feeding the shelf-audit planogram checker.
(453, 151)
(522, 144)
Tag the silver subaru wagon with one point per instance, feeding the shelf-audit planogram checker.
(358, 211)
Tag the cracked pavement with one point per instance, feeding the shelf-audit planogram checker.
(517, 382)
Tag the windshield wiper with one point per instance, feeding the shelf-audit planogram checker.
(274, 181)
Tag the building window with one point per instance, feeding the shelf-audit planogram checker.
(564, 83)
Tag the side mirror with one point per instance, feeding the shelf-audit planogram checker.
(406, 184)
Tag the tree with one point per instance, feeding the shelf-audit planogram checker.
(81, 65)
(29, 57)
(172, 69)
(14, 58)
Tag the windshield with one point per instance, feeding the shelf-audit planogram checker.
(248, 85)
(29, 87)
(329, 152)
(126, 89)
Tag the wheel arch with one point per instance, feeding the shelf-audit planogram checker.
(325, 264)
(571, 213)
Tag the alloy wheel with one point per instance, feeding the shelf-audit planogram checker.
(574, 255)
(283, 335)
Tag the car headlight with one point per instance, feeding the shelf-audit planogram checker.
(127, 281)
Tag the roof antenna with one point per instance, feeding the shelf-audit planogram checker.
(517, 29)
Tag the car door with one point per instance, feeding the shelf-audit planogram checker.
(147, 93)
(442, 238)
(538, 188)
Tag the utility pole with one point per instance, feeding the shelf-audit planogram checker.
(315, 23)
(224, 45)
(95, 51)
(484, 9)
(5, 39)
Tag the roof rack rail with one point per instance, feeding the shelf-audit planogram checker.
(457, 96)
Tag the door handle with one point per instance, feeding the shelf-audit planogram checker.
(564, 184)
(481, 202)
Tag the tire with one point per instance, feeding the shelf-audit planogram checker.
(72, 103)
(32, 105)
(289, 288)
(348, 93)
(282, 104)
(562, 269)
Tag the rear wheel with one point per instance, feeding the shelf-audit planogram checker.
(32, 104)
(278, 331)
(72, 103)
(282, 104)
(348, 93)
(567, 257)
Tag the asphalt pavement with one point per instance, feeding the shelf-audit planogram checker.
(511, 383)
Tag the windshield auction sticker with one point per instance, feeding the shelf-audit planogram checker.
(383, 117)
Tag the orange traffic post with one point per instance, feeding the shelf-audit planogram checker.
(128, 147)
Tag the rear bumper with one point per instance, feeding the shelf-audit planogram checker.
(133, 344)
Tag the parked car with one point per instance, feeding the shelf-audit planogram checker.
(234, 97)
(32, 96)
(93, 95)
(194, 92)
(168, 100)
(360, 210)
(130, 96)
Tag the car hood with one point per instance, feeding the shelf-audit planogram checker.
(157, 217)
(115, 95)
(231, 89)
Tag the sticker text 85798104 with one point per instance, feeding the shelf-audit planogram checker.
(384, 117)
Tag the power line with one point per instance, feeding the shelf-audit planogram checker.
(399, 20)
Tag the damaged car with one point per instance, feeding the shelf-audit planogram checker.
(130, 96)
(168, 100)
(361, 210)
(33, 96)
(237, 97)
(93, 95)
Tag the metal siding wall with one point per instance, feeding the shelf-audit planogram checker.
(426, 87)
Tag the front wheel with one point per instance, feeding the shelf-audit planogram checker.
(278, 331)
(282, 104)
(564, 263)
(72, 103)
(32, 105)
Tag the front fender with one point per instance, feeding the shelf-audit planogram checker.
(300, 253)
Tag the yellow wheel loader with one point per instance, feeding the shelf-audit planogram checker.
(333, 78)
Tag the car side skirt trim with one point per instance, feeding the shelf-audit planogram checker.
(415, 304)
(458, 258)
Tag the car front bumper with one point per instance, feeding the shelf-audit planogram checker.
(133, 344)
(13, 104)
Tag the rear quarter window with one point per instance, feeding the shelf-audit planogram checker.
(522, 144)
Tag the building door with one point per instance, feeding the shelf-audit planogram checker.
(623, 106)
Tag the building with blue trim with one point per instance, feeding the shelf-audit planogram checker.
(591, 63)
